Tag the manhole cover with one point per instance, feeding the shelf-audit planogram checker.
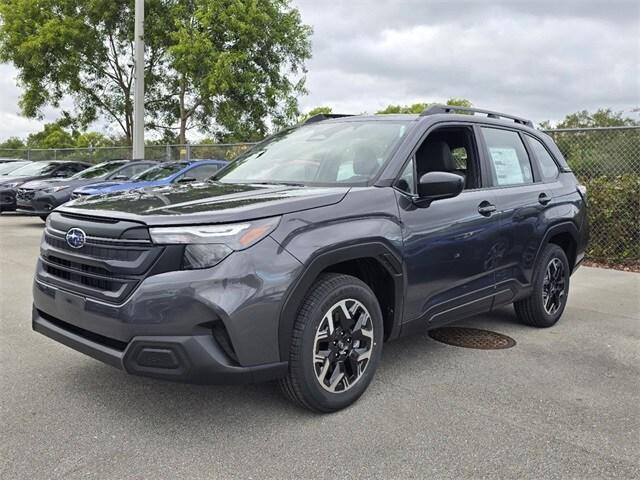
(471, 338)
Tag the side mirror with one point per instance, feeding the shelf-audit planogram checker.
(439, 185)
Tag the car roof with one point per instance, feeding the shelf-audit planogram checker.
(433, 113)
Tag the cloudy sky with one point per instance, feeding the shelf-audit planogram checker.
(540, 59)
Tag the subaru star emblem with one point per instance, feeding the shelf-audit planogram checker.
(76, 238)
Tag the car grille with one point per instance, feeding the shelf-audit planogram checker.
(25, 195)
(107, 269)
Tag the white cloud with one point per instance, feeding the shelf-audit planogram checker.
(540, 59)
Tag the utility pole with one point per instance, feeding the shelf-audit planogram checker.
(138, 94)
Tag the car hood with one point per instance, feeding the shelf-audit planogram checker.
(107, 187)
(205, 202)
(10, 179)
(55, 182)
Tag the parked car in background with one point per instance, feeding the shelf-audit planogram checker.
(7, 160)
(7, 167)
(39, 197)
(35, 171)
(164, 174)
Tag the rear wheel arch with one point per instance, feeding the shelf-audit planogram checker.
(566, 236)
(375, 263)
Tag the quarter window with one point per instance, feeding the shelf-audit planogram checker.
(548, 167)
(509, 159)
(406, 181)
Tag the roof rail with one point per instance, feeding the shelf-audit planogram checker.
(325, 116)
(435, 109)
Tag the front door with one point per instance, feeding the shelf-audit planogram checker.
(450, 246)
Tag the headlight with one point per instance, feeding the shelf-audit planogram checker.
(56, 189)
(12, 184)
(208, 245)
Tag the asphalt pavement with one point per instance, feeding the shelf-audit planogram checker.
(563, 403)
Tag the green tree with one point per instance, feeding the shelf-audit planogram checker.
(233, 65)
(228, 67)
(93, 139)
(603, 117)
(418, 108)
(13, 143)
(315, 111)
(80, 49)
(54, 135)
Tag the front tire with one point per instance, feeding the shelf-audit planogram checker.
(544, 307)
(336, 344)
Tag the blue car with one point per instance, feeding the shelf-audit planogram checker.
(163, 174)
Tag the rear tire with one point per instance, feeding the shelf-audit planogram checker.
(336, 344)
(544, 307)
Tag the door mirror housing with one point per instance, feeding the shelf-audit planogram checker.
(439, 185)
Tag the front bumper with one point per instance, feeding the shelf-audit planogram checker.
(7, 200)
(40, 204)
(191, 358)
(217, 325)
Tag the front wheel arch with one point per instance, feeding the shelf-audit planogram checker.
(334, 260)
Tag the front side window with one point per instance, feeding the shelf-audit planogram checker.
(448, 149)
(69, 170)
(508, 157)
(130, 171)
(334, 153)
(203, 172)
(548, 167)
(161, 171)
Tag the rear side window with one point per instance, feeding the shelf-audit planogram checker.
(548, 167)
(508, 157)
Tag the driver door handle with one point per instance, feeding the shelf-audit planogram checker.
(486, 208)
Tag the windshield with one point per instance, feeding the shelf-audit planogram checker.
(343, 153)
(7, 168)
(97, 171)
(34, 169)
(160, 172)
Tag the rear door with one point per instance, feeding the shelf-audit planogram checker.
(521, 200)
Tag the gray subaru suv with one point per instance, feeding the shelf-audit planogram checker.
(301, 258)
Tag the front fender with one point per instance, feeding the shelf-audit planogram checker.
(323, 237)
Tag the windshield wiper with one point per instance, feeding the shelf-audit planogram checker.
(289, 184)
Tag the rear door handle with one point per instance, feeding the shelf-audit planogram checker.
(543, 198)
(486, 208)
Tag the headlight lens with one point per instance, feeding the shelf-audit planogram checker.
(204, 256)
(12, 184)
(208, 245)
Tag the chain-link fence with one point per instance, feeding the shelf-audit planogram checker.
(155, 152)
(605, 160)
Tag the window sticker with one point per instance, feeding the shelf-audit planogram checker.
(507, 166)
